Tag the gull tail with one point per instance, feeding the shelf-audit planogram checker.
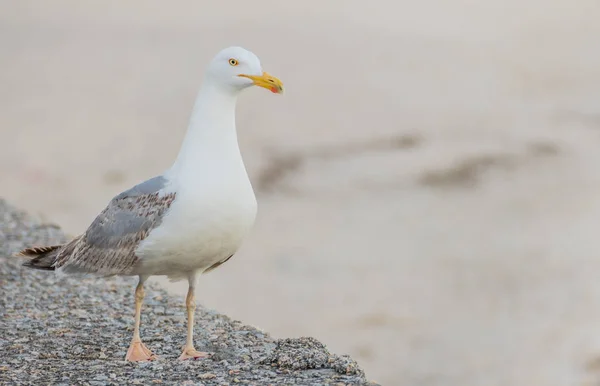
(41, 257)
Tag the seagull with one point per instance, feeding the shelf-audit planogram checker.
(185, 222)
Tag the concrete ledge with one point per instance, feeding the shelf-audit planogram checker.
(65, 331)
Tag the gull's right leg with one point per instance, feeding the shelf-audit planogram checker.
(189, 352)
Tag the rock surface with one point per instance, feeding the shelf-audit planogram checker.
(65, 331)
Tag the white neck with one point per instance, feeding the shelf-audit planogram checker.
(211, 137)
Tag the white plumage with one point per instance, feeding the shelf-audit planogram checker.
(215, 206)
(190, 219)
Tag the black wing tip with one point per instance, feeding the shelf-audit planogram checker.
(41, 257)
(31, 264)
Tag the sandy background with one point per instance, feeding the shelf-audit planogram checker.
(429, 185)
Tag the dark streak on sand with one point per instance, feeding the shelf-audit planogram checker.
(466, 172)
(281, 166)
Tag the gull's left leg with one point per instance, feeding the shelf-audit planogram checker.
(137, 350)
(190, 301)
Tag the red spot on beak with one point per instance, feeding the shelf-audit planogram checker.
(274, 90)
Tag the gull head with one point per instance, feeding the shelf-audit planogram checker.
(236, 69)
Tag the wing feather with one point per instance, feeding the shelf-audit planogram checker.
(108, 245)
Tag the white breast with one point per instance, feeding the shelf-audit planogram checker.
(214, 207)
(202, 227)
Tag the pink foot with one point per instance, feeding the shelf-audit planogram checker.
(191, 353)
(139, 352)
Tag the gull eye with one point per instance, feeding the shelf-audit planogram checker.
(233, 62)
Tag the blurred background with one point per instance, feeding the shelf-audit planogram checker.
(428, 186)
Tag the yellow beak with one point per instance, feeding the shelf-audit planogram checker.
(267, 81)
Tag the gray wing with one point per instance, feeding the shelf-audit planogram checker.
(108, 245)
